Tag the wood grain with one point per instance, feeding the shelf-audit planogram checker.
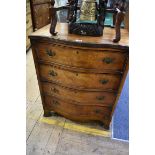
(66, 38)
(82, 97)
(76, 112)
(52, 139)
(29, 28)
(82, 58)
(40, 13)
(80, 77)
(81, 80)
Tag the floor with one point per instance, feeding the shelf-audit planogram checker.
(45, 138)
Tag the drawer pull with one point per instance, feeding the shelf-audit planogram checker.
(104, 81)
(97, 111)
(54, 90)
(55, 102)
(50, 53)
(107, 60)
(52, 73)
(100, 98)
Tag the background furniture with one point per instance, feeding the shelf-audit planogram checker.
(80, 77)
(29, 27)
(40, 12)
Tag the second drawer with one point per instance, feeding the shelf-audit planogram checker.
(74, 79)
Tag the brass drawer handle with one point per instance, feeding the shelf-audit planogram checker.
(97, 111)
(54, 90)
(107, 60)
(55, 102)
(100, 98)
(52, 73)
(50, 53)
(104, 81)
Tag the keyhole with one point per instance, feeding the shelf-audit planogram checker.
(77, 52)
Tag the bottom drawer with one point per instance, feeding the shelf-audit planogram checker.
(77, 112)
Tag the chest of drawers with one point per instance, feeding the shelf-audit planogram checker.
(79, 77)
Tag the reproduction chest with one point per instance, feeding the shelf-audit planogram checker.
(80, 77)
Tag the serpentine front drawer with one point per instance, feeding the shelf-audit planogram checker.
(105, 59)
(79, 80)
(83, 97)
(77, 112)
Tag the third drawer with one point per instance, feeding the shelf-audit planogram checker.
(83, 97)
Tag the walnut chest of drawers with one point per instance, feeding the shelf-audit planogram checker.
(80, 77)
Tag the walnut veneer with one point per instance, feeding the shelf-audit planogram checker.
(80, 77)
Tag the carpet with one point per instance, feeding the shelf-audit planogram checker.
(120, 122)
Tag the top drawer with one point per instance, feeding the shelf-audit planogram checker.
(107, 59)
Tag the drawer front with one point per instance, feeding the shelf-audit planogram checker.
(84, 97)
(80, 80)
(107, 59)
(77, 111)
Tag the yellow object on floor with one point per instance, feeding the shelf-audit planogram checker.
(77, 127)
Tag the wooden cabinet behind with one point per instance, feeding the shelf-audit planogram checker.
(40, 13)
(81, 80)
(29, 27)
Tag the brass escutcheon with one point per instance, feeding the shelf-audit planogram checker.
(100, 98)
(50, 53)
(54, 90)
(55, 102)
(104, 81)
(107, 60)
(52, 73)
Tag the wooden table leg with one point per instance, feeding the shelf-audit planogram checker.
(119, 19)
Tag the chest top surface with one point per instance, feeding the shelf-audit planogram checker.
(64, 37)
